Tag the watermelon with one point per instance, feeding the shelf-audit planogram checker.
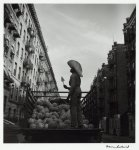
(52, 124)
(33, 126)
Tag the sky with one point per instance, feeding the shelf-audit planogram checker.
(81, 32)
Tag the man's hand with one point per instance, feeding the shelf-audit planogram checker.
(65, 86)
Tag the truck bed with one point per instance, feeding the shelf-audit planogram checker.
(62, 135)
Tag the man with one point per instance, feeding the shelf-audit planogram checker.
(75, 95)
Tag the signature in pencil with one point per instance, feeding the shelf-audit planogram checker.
(117, 146)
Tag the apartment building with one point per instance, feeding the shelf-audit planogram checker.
(26, 60)
(129, 30)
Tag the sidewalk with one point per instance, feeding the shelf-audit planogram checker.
(116, 139)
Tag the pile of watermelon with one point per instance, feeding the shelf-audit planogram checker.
(52, 115)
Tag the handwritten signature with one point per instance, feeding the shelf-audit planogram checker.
(117, 146)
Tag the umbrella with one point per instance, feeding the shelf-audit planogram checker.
(76, 65)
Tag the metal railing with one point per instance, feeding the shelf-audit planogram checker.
(46, 93)
(89, 107)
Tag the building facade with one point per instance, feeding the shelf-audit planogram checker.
(95, 103)
(26, 61)
(113, 89)
(103, 96)
(110, 86)
(118, 103)
(129, 30)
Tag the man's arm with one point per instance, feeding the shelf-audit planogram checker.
(66, 87)
(73, 85)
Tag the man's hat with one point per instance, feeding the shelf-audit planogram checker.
(76, 65)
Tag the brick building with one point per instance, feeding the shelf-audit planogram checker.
(26, 60)
(129, 31)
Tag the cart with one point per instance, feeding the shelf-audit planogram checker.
(54, 135)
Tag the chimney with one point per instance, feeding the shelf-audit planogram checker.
(115, 43)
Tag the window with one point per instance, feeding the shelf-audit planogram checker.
(17, 92)
(26, 18)
(24, 37)
(28, 79)
(7, 42)
(27, 38)
(11, 56)
(9, 112)
(15, 68)
(29, 23)
(35, 40)
(18, 48)
(32, 87)
(25, 55)
(22, 74)
(25, 75)
(23, 9)
(19, 74)
(37, 62)
(20, 28)
(5, 102)
(12, 93)
(22, 54)
(12, 53)
(36, 75)
(30, 82)
(14, 115)
(6, 46)
(35, 59)
(33, 73)
(20, 114)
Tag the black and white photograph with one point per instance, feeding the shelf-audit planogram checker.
(69, 73)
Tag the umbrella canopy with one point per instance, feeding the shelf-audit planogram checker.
(76, 65)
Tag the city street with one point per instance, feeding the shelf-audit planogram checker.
(69, 73)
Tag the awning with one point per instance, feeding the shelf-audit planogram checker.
(7, 76)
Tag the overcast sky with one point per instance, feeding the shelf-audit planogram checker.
(83, 32)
